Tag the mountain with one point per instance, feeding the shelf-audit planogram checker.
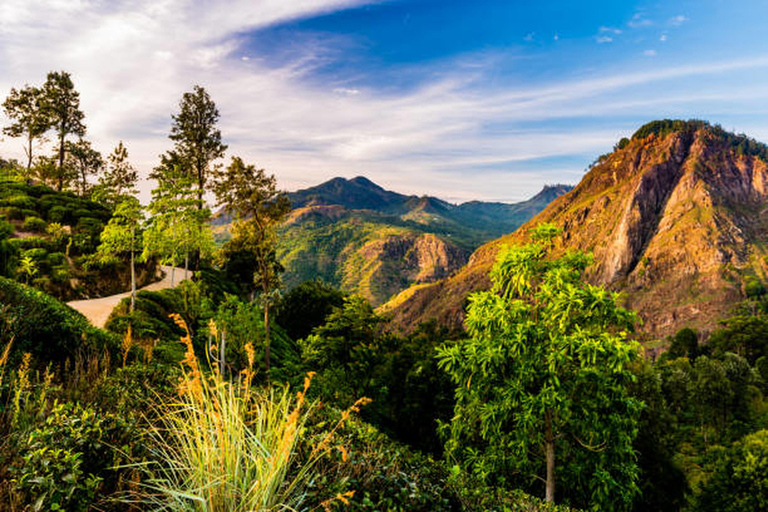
(364, 239)
(676, 219)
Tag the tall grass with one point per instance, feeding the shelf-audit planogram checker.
(226, 448)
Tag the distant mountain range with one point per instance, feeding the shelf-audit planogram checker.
(364, 239)
(676, 217)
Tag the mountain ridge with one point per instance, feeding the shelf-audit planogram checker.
(674, 218)
(367, 240)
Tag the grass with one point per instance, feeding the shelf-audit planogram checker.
(226, 447)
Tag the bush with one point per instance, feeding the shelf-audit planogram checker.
(13, 213)
(34, 224)
(48, 329)
(71, 456)
(739, 482)
(61, 214)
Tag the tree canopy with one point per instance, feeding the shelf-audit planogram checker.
(541, 384)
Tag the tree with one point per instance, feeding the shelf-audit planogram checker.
(258, 207)
(198, 141)
(84, 161)
(307, 306)
(26, 107)
(62, 107)
(178, 226)
(119, 179)
(739, 480)
(545, 372)
(122, 235)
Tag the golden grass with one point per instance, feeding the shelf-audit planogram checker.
(224, 447)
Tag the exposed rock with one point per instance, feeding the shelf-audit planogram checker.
(675, 219)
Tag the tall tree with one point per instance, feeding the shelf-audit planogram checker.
(119, 179)
(26, 108)
(545, 372)
(84, 161)
(123, 235)
(62, 106)
(198, 140)
(251, 196)
(177, 226)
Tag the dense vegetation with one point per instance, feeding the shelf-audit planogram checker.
(224, 394)
(743, 144)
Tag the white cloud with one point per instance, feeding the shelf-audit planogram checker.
(663, 38)
(678, 20)
(649, 53)
(639, 20)
(603, 39)
(456, 135)
(609, 30)
(529, 37)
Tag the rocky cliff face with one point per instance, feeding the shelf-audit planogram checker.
(676, 219)
(383, 267)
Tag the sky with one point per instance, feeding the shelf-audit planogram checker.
(464, 100)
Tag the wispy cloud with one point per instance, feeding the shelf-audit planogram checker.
(458, 134)
(678, 20)
(639, 20)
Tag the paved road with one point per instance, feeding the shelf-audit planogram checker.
(98, 310)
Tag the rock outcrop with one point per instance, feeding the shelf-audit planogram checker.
(676, 219)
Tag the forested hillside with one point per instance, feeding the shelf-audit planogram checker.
(367, 240)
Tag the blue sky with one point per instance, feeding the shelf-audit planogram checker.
(483, 99)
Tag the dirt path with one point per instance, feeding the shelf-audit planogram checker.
(98, 310)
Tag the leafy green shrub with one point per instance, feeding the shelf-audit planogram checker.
(13, 213)
(34, 242)
(28, 213)
(48, 329)
(61, 214)
(56, 258)
(19, 201)
(8, 251)
(34, 224)
(71, 456)
(384, 474)
(306, 307)
(739, 481)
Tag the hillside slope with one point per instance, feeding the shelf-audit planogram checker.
(676, 219)
(367, 240)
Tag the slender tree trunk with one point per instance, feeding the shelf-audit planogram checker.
(29, 155)
(133, 283)
(61, 163)
(186, 264)
(173, 272)
(266, 337)
(549, 441)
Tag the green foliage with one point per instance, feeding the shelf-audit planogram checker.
(739, 481)
(70, 457)
(243, 324)
(306, 307)
(34, 224)
(741, 143)
(8, 251)
(546, 369)
(744, 335)
(685, 343)
(27, 109)
(353, 359)
(62, 106)
(197, 139)
(385, 475)
(46, 328)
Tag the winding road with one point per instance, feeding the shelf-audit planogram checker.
(97, 310)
